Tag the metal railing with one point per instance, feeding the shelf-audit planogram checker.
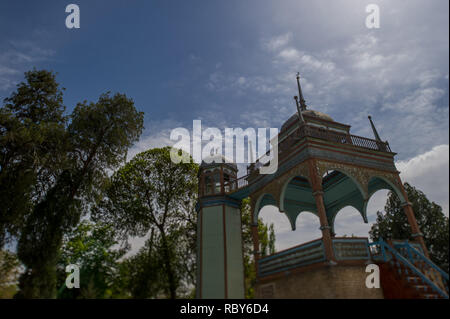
(302, 255)
(386, 253)
(234, 185)
(315, 132)
(333, 136)
(351, 248)
(429, 268)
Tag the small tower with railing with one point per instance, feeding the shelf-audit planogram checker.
(220, 272)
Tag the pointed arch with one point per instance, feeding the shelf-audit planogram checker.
(285, 186)
(307, 226)
(263, 200)
(378, 182)
(341, 189)
(332, 217)
(296, 196)
(343, 211)
(303, 212)
(356, 181)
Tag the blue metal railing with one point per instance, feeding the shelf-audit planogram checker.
(305, 254)
(415, 255)
(351, 248)
(387, 252)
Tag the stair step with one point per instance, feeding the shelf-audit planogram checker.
(431, 296)
(414, 279)
(421, 288)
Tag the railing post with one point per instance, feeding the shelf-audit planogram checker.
(383, 251)
(408, 250)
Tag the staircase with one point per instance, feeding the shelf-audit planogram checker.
(405, 273)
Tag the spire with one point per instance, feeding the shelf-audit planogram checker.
(300, 94)
(300, 115)
(377, 137)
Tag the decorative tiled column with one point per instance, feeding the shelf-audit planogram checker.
(415, 230)
(318, 196)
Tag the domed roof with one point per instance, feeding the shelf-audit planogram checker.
(318, 114)
(308, 112)
(217, 160)
(291, 120)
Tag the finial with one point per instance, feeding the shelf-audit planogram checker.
(377, 137)
(302, 100)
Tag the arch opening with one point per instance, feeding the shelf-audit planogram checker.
(296, 196)
(347, 223)
(377, 183)
(341, 190)
(265, 199)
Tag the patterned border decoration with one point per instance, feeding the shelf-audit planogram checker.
(361, 175)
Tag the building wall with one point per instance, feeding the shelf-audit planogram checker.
(322, 282)
(221, 246)
(213, 262)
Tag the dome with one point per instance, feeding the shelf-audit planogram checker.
(318, 114)
(310, 113)
(217, 160)
(291, 120)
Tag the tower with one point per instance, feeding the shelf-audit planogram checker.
(322, 168)
(220, 266)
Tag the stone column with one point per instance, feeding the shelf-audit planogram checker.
(318, 196)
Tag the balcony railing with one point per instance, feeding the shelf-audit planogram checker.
(305, 254)
(234, 185)
(342, 138)
(313, 252)
(351, 248)
(315, 132)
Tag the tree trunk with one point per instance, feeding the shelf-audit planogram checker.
(168, 265)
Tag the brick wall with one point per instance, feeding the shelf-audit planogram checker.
(321, 282)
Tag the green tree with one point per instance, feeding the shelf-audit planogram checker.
(266, 237)
(140, 274)
(93, 247)
(32, 128)
(9, 274)
(153, 194)
(434, 225)
(95, 140)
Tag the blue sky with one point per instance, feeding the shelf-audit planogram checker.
(233, 64)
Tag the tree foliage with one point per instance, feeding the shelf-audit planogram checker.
(266, 236)
(434, 225)
(95, 249)
(32, 128)
(53, 166)
(9, 274)
(153, 194)
(53, 171)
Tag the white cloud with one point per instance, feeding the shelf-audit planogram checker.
(398, 74)
(422, 101)
(429, 172)
(157, 135)
(277, 42)
(241, 80)
(15, 60)
(289, 54)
